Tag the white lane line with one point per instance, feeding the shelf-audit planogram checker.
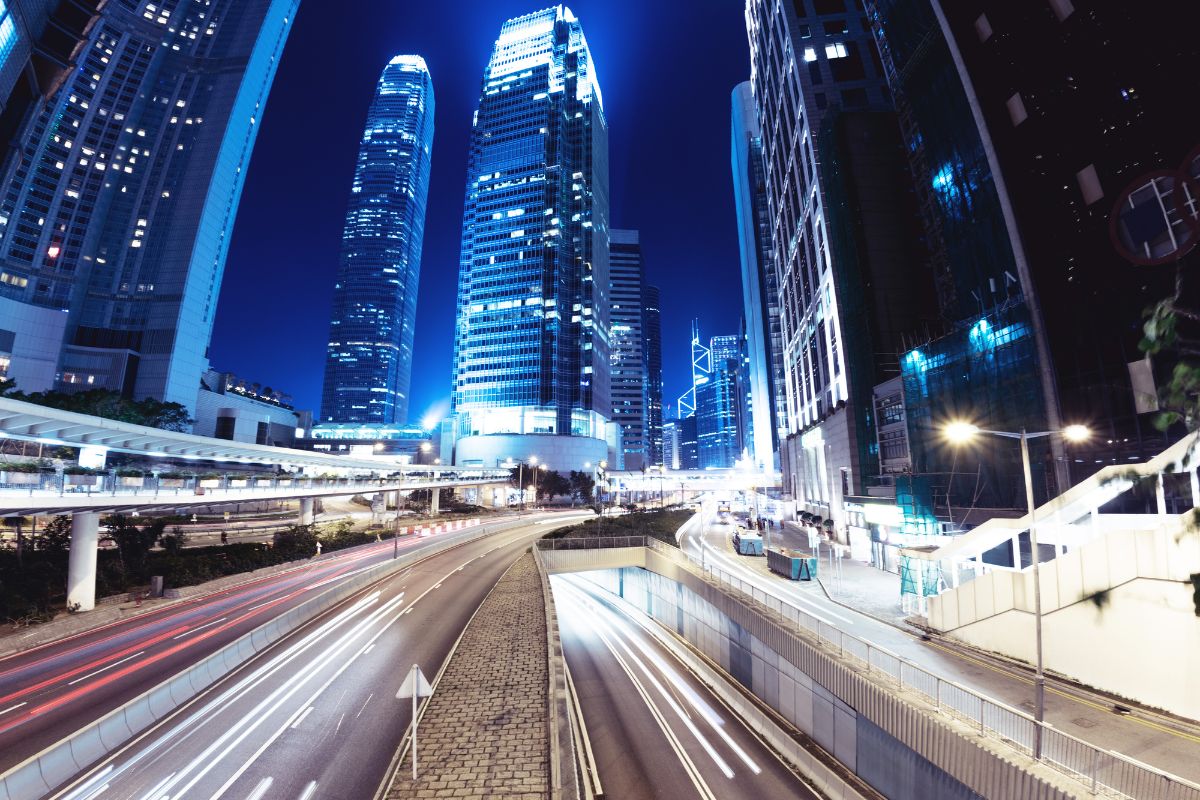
(202, 627)
(105, 669)
(369, 649)
(261, 789)
(364, 705)
(14, 708)
(302, 717)
(308, 791)
(89, 787)
(260, 605)
(156, 792)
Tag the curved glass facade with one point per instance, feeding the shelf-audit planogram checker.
(368, 364)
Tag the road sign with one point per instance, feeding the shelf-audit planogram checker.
(414, 686)
(415, 679)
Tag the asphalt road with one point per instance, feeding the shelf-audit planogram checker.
(656, 731)
(315, 716)
(49, 692)
(1163, 742)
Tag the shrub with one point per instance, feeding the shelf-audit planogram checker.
(129, 472)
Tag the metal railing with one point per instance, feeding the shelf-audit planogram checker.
(1102, 771)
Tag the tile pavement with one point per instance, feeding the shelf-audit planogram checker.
(486, 730)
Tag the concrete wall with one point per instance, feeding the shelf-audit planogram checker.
(859, 722)
(247, 413)
(36, 342)
(1096, 601)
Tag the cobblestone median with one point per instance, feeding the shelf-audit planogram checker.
(486, 730)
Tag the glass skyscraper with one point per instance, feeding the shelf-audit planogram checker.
(532, 337)
(628, 355)
(652, 348)
(120, 207)
(368, 363)
(760, 284)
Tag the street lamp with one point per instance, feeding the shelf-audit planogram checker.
(960, 432)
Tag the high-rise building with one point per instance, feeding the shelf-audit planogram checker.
(1069, 133)
(120, 207)
(813, 67)
(39, 43)
(368, 362)
(760, 285)
(652, 348)
(719, 406)
(627, 347)
(532, 337)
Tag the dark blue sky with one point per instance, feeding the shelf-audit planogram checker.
(666, 69)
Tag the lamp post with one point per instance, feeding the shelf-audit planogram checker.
(960, 432)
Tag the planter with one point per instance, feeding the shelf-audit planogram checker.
(210, 483)
(132, 481)
(285, 483)
(81, 480)
(238, 484)
(22, 478)
(171, 483)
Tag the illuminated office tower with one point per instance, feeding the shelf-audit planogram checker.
(368, 363)
(532, 336)
(652, 349)
(628, 348)
(120, 207)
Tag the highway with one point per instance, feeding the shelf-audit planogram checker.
(50, 691)
(655, 729)
(315, 716)
(1151, 738)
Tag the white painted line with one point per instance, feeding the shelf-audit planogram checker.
(156, 792)
(364, 705)
(260, 605)
(14, 708)
(369, 649)
(302, 717)
(105, 669)
(261, 789)
(202, 627)
(88, 788)
(308, 791)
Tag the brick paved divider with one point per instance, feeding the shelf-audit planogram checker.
(494, 725)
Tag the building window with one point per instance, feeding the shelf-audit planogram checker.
(1089, 184)
(1016, 109)
(8, 33)
(983, 28)
(224, 429)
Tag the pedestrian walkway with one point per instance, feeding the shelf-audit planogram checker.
(851, 583)
(485, 732)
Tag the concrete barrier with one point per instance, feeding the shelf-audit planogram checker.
(38, 775)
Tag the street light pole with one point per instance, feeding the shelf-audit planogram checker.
(962, 431)
(1039, 679)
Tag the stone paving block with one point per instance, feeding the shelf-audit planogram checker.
(486, 730)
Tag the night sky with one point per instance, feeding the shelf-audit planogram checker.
(666, 74)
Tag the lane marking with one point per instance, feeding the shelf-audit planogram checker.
(156, 792)
(102, 669)
(302, 717)
(202, 627)
(308, 791)
(14, 708)
(372, 694)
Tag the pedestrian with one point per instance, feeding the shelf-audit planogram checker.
(224, 537)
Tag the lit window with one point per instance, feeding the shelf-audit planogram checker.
(834, 51)
(810, 54)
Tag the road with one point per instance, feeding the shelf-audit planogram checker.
(656, 730)
(50, 691)
(315, 716)
(1151, 738)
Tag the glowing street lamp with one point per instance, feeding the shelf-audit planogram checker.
(960, 432)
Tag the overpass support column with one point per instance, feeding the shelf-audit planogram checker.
(81, 564)
(306, 511)
(435, 500)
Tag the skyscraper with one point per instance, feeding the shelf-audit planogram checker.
(760, 285)
(368, 362)
(532, 336)
(847, 245)
(120, 208)
(628, 355)
(719, 406)
(652, 348)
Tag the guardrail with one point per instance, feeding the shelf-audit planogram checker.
(38, 775)
(32, 483)
(1102, 771)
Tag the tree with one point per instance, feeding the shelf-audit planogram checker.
(110, 405)
(582, 486)
(1170, 330)
(55, 537)
(551, 484)
(8, 388)
(295, 542)
(133, 542)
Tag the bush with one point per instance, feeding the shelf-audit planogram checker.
(128, 472)
(295, 542)
(23, 466)
(75, 469)
(659, 524)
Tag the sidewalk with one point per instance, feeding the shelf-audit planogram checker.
(860, 586)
